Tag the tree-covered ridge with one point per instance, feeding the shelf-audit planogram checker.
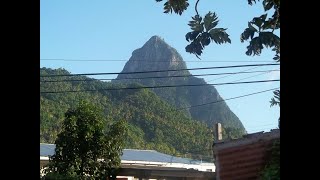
(152, 122)
(163, 126)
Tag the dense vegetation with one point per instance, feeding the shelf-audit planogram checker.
(272, 169)
(86, 148)
(152, 122)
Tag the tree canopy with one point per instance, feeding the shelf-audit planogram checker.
(86, 148)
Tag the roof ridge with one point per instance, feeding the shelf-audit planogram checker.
(141, 150)
(47, 143)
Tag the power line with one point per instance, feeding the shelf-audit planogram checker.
(156, 77)
(261, 125)
(124, 60)
(232, 74)
(255, 75)
(169, 70)
(151, 87)
(228, 99)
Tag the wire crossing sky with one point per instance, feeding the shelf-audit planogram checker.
(99, 36)
(153, 87)
(157, 77)
(166, 70)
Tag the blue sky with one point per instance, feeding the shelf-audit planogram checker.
(111, 30)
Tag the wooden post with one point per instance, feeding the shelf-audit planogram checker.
(218, 132)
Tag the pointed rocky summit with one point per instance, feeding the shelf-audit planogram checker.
(154, 55)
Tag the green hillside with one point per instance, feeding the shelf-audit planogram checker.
(153, 123)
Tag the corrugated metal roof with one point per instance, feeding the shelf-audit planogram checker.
(47, 149)
(153, 156)
(132, 155)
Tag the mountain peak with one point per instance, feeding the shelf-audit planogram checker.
(154, 55)
(156, 38)
(156, 42)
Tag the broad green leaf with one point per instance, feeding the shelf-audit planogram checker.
(251, 27)
(219, 36)
(267, 4)
(263, 17)
(177, 6)
(248, 33)
(257, 21)
(210, 21)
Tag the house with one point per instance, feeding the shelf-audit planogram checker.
(150, 164)
(243, 158)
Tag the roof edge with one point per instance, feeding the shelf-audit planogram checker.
(247, 139)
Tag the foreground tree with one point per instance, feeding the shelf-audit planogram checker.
(85, 149)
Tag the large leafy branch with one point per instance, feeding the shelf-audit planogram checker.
(204, 30)
(259, 33)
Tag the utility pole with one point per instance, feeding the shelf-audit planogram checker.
(218, 134)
